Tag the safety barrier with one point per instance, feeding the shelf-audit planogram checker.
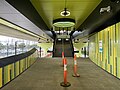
(13, 66)
(62, 58)
(65, 83)
(75, 68)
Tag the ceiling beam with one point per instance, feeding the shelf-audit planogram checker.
(26, 8)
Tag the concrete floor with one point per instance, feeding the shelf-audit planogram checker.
(47, 74)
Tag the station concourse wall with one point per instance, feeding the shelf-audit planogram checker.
(104, 49)
(79, 47)
(13, 66)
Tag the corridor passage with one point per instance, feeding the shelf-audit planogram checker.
(47, 74)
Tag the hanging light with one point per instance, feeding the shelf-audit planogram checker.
(65, 12)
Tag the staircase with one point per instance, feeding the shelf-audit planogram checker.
(61, 45)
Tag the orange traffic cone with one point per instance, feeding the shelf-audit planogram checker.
(62, 59)
(65, 83)
(75, 68)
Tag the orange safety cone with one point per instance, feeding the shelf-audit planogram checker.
(62, 58)
(65, 83)
(75, 68)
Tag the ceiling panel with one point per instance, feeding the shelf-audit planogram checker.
(10, 14)
(50, 9)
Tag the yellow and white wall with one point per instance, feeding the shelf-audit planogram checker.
(9, 72)
(104, 49)
(79, 47)
(45, 47)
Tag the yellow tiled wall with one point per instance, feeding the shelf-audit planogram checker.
(11, 71)
(0, 77)
(104, 49)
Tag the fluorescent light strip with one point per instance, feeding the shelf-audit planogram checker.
(18, 28)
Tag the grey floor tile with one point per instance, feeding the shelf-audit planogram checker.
(47, 74)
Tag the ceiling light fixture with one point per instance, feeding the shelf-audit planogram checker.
(65, 12)
(64, 22)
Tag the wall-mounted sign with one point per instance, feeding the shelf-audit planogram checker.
(100, 46)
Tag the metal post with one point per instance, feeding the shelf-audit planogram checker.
(63, 43)
(7, 49)
(40, 51)
(15, 47)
